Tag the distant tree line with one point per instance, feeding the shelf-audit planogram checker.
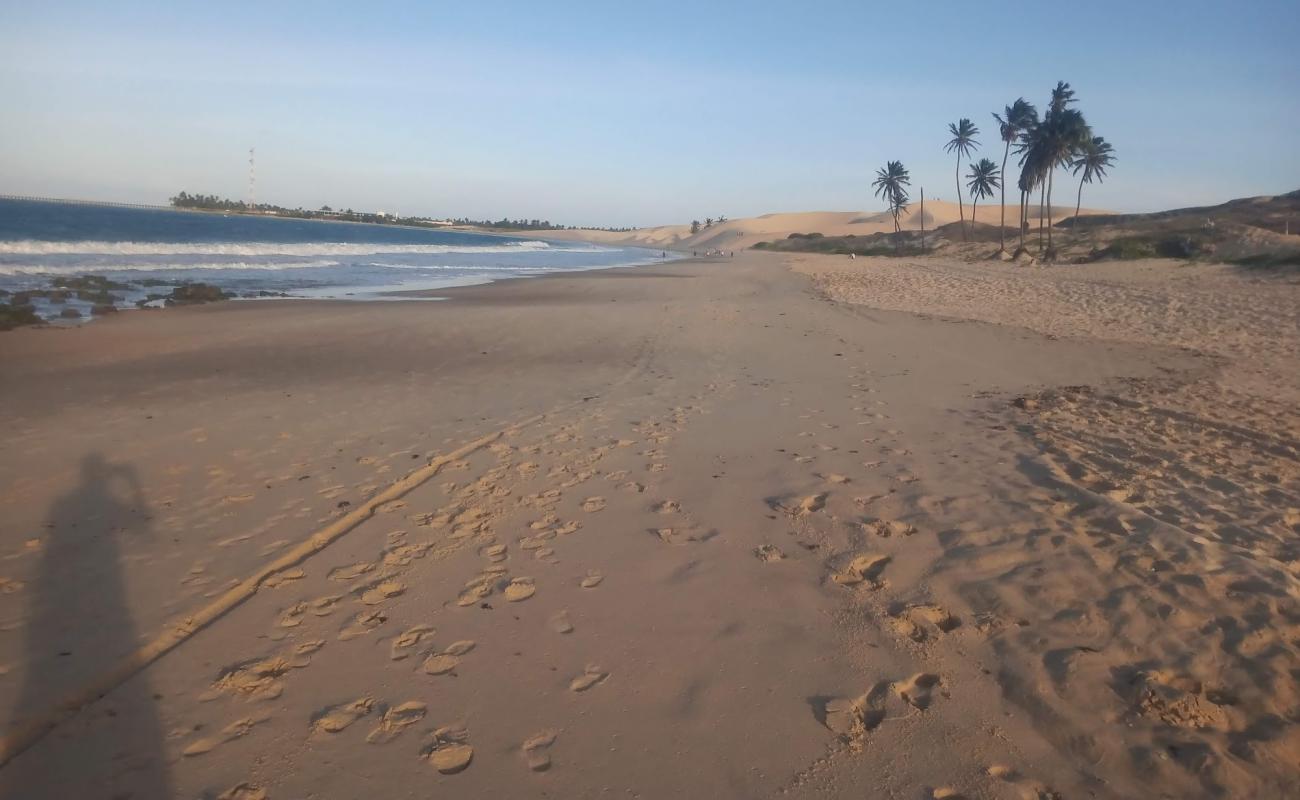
(709, 222)
(210, 202)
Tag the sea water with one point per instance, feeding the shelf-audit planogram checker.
(154, 250)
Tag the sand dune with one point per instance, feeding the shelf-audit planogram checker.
(739, 234)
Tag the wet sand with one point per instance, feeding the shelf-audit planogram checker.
(727, 530)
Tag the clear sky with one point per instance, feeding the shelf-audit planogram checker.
(623, 113)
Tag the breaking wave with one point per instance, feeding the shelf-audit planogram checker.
(35, 247)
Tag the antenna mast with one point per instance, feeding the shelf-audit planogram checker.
(252, 182)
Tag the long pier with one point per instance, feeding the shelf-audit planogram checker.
(73, 202)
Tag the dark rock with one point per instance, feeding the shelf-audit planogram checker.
(101, 309)
(192, 293)
(70, 313)
(16, 314)
(87, 283)
(56, 296)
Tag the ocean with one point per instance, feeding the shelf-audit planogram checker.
(151, 251)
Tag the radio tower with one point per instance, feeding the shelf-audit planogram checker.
(252, 182)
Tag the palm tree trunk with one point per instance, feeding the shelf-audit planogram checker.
(1002, 243)
(1021, 222)
(974, 201)
(1077, 205)
(960, 211)
(1050, 174)
(1042, 198)
(922, 219)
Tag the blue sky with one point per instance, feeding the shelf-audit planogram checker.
(628, 113)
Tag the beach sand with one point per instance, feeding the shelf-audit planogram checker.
(780, 525)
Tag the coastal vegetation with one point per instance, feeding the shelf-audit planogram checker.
(1019, 117)
(891, 186)
(211, 202)
(1062, 138)
(982, 179)
(962, 143)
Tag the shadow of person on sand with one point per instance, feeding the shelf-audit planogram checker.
(78, 626)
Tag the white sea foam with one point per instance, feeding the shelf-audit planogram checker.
(82, 268)
(35, 247)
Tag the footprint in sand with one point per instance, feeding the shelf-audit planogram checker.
(904, 621)
(668, 507)
(886, 528)
(916, 690)
(258, 680)
(231, 732)
(243, 791)
(481, 586)
(520, 589)
(560, 623)
(285, 576)
(338, 718)
(593, 504)
(536, 750)
(681, 536)
(854, 717)
(658, 467)
(448, 750)
(351, 571)
(768, 553)
(632, 486)
(446, 661)
(832, 477)
(382, 591)
(406, 641)
(395, 720)
(808, 505)
(862, 569)
(362, 624)
(592, 676)
(592, 580)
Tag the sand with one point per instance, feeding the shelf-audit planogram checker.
(740, 234)
(776, 526)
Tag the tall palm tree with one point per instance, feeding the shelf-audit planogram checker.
(963, 144)
(1053, 143)
(984, 178)
(1020, 116)
(891, 185)
(1028, 180)
(1096, 157)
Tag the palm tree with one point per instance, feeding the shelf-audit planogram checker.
(1053, 143)
(890, 184)
(984, 178)
(1097, 156)
(1020, 116)
(963, 144)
